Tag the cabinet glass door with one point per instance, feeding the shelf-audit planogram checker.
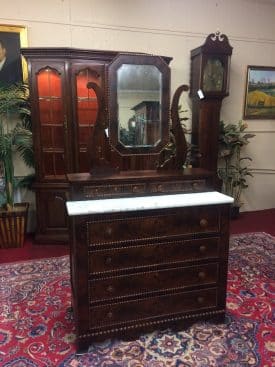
(53, 125)
(86, 114)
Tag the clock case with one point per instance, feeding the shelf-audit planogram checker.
(209, 84)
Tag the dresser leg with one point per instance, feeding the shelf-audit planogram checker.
(219, 319)
(82, 345)
(81, 351)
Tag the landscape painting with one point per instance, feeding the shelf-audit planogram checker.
(260, 93)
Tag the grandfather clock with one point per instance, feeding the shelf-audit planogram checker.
(209, 84)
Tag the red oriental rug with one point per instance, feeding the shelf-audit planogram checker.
(37, 328)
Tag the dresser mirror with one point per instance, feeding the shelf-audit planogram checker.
(138, 101)
(139, 88)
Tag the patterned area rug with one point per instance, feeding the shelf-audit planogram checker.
(37, 329)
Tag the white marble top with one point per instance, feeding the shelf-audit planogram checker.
(146, 203)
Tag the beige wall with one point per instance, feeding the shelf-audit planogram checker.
(172, 28)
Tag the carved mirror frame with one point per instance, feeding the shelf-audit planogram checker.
(138, 59)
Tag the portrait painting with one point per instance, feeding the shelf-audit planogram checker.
(13, 67)
(260, 93)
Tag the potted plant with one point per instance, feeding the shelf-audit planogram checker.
(233, 166)
(15, 136)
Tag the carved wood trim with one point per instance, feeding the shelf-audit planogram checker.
(177, 160)
(151, 323)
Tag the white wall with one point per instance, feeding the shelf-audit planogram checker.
(171, 28)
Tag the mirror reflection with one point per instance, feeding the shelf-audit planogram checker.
(139, 105)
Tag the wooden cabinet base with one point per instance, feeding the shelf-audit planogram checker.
(51, 238)
(51, 218)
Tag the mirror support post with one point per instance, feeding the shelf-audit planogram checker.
(178, 158)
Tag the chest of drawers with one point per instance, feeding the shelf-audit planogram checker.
(143, 263)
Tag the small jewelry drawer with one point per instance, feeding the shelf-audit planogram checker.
(120, 258)
(111, 191)
(167, 306)
(153, 281)
(177, 186)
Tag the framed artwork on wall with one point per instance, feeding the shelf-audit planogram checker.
(260, 93)
(13, 68)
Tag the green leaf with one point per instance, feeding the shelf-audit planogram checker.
(14, 106)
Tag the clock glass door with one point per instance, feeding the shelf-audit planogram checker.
(213, 75)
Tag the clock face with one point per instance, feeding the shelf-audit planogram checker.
(213, 75)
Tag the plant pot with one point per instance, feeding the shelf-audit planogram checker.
(13, 225)
(234, 212)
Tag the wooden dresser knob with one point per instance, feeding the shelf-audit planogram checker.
(200, 300)
(195, 186)
(202, 275)
(110, 288)
(160, 188)
(203, 223)
(108, 260)
(202, 249)
(110, 315)
(135, 189)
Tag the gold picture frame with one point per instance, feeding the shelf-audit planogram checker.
(260, 93)
(14, 37)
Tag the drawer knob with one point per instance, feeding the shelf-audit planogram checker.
(135, 188)
(109, 314)
(202, 275)
(202, 249)
(203, 223)
(110, 289)
(109, 231)
(200, 300)
(108, 260)
(160, 188)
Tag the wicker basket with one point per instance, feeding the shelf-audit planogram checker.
(13, 226)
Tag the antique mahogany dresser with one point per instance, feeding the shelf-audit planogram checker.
(149, 237)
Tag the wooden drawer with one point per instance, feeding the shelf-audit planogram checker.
(177, 186)
(88, 192)
(175, 223)
(147, 282)
(150, 308)
(120, 258)
(111, 191)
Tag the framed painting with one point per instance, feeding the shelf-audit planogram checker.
(13, 68)
(260, 93)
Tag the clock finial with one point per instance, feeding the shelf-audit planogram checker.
(217, 36)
